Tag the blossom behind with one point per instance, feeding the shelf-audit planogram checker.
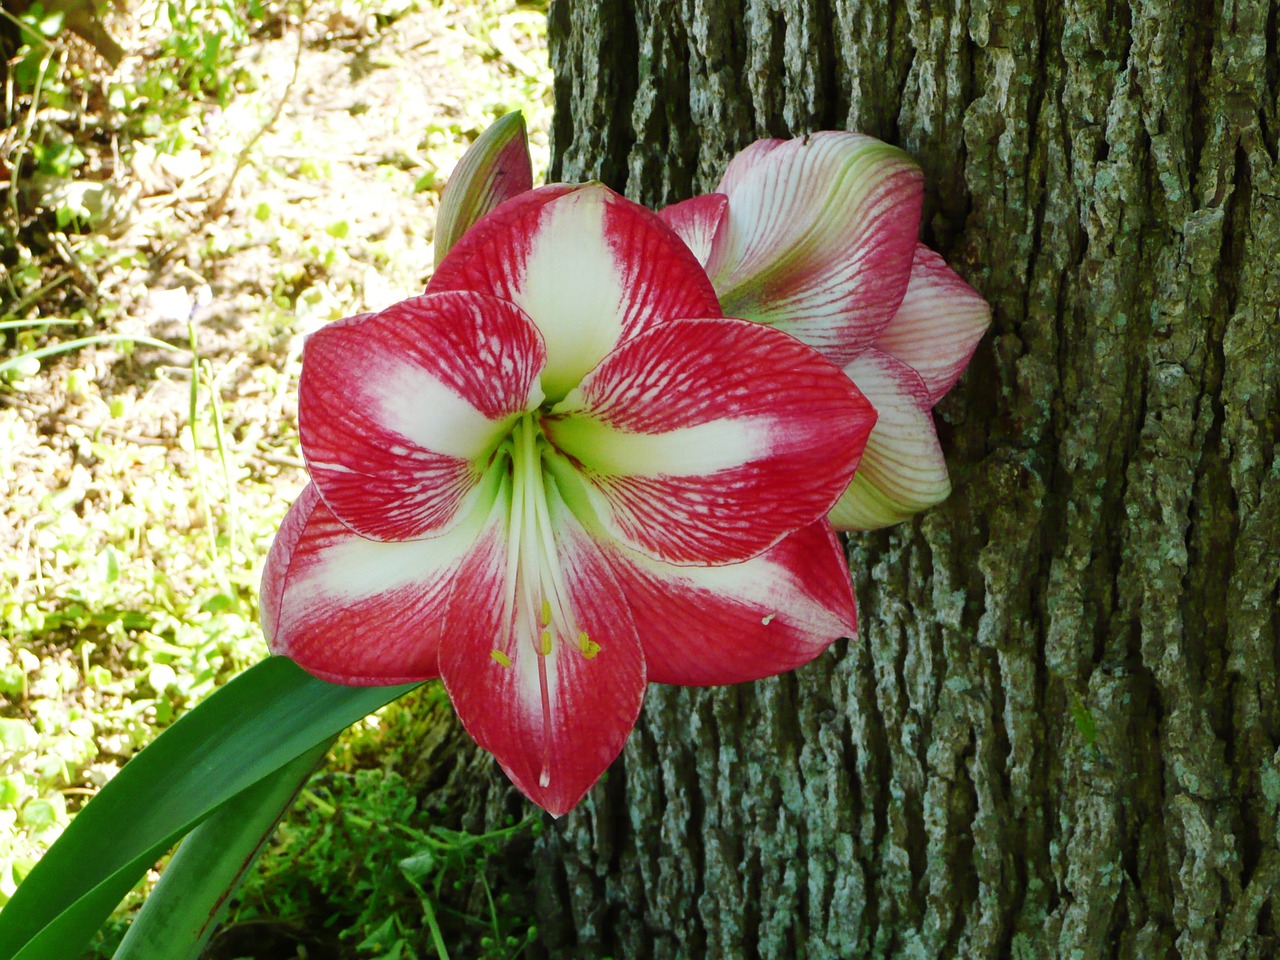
(817, 236)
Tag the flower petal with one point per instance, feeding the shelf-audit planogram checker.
(708, 441)
(553, 720)
(494, 169)
(746, 160)
(696, 222)
(903, 470)
(356, 611)
(589, 266)
(400, 411)
(819, 239)
(938, 325)
(743, 621)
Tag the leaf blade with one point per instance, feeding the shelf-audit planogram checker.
(183, 910)
(261, 720)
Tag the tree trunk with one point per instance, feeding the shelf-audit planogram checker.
(1056, 735)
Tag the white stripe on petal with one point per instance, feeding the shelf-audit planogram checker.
(433, 416)
(357, 569)
(357, 611)
(763, 582)
(698, 450)
(903, 470)
(572, 288)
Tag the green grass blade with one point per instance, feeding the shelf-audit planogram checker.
(37, 322)
(93, 341)
(257, 723)
(183, 910)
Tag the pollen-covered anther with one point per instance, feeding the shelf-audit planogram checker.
(546, 643)
(588, 646)
(500, 658)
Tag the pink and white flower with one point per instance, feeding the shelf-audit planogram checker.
(817, 236)
(559, 474)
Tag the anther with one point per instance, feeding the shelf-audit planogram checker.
(588, 646)
(501, 658)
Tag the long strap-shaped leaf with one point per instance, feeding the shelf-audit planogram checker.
(254, 725)
(195, 889)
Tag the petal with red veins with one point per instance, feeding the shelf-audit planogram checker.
(819, 239)
(708, 441)
(938, 325)
(696, 222)
(554, 717)
(400, 411)
(903, 470)
(356, 611)
(744, 621)
(493, 170)
(589, 266)
(746, 160)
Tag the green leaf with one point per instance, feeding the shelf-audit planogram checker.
(1084, 720)
(257, 723)
(195, 889)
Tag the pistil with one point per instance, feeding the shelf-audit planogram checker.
(537, 607)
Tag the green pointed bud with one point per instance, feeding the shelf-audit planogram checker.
(495, 168)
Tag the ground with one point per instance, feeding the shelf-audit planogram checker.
(226, 209)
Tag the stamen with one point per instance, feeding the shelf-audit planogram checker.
(540, 610)
(544, 777)
(769, 619)
(531, 609)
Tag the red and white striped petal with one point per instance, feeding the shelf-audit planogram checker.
(356, 611)
(554, 720)
(938, 325)
(744, 621)
(708, 441)
(903, 470)
(819, 239)
(400, 411)
(746, 160)
(696, 222)
(493, 170)
(589, 266)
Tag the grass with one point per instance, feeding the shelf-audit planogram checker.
(172, 229)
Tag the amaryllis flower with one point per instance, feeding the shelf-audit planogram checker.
(560, 474)
(817, 236)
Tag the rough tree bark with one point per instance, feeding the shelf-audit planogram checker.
(1056, 735)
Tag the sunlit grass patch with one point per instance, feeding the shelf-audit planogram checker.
(251, 172)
